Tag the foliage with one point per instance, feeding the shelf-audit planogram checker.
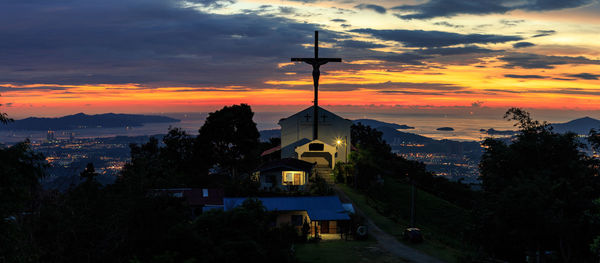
(126, 221)
(20, 171)
(228, 140)
(4, 119)
(320, 187)
(535, 193)
(231, 138)
(442, 223)
(89, 173)
(374, 160)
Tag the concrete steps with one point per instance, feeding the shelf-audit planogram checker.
(326, 173)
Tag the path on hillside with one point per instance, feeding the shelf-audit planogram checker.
(387, 241)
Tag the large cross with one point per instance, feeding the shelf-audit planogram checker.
(316, 63)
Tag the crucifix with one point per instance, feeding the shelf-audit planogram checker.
(316, 63)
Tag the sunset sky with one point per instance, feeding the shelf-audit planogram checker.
(67, 56)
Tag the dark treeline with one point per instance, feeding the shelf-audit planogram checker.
(124, 222)
(540, 197)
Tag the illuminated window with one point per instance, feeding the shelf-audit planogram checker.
(293, 178)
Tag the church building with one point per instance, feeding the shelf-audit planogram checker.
(332, 142)
(312, 140)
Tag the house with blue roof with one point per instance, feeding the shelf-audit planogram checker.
(324, 214)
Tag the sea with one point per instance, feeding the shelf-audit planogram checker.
(465, 128)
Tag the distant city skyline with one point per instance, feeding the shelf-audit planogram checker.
(152, 56)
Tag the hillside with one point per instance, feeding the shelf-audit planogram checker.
(377, 124)
(443, 223)
(579, 126)
(83, 121)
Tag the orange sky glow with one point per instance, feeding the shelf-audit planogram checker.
(564, 37)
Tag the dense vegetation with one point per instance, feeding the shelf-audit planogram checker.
(126, 221)
(385, 178)
(540, 194)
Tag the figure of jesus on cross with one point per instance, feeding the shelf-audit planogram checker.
(316, 63)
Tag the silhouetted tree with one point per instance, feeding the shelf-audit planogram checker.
(89, 173)
(20, 172)
(536, 191)
(230, 138)
(4, 119)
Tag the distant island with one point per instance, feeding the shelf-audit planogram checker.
(445, 129)
(492, 131)
(377, 124)
(83, 121)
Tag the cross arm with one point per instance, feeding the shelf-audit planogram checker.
(308, 60)
(330, 60)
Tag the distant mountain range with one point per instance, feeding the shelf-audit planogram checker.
(83, 121)
(579, 126)
(376, 124)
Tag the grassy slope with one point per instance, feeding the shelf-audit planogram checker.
(440, 221)
(343, 252)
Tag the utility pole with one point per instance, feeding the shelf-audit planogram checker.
(412, 202)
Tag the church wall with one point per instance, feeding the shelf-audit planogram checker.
(299, 126)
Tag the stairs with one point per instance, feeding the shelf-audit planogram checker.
(325, 172)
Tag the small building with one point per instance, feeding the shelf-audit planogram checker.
(324, 214)
(199, 199)
(286, 174)
(332, 143)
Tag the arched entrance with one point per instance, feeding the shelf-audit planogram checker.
(317, 152)
(321, 158)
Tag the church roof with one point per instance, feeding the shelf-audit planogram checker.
(319, 208)
(310, 110)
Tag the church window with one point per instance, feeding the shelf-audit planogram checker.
(316, 147)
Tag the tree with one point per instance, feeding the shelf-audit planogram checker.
(20, 172)
(229, 137)
(89, 173)
(536, 191)
(4, 119)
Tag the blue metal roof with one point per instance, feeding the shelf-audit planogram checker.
(319, 208)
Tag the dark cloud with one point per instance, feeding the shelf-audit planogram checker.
(477, 104)
(213, 3)
(358, 44)
(508, 22)
(448, 8)
(345, 25)
(543, 33)
(449, 51)
(376, 8)
(286, 10)
(421, 38)
(527, 60)
(387, 87)
(339, 20)
(404, 58)
(523, 44)
(525, 76)
(585, 76)
(445, 23)
(563, 79)
(144, 41)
